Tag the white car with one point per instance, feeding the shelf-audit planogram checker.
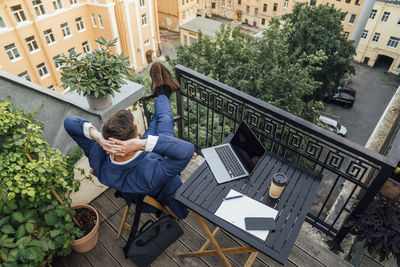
(333, 125)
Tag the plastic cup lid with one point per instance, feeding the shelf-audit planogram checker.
(280, 179)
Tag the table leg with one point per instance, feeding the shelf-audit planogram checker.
(212, 239)
(207, 243)
(226, 251)
(251, 259)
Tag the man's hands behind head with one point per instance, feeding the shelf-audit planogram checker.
(124, 148)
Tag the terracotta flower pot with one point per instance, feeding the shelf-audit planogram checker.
(89, 241)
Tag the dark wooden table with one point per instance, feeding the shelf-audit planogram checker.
(202, 195)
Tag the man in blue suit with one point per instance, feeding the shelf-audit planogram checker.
(122, 160)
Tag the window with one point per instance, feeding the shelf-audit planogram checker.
(49, 36)
(262, 21)
(344, 17)
(364, 34)
(144, 19)
(86, 47)
(313, 2)
(239, 2)
(183, 2)
(93, 20)
(352, 18)
(18, 13)
(71, 49)
(51, 87)
(398, 23)
(213, 5)
(100, 21)
(255, 12)
(247, 10)
(398, 67)
(42, 69)
(275, 7)
(229, 4)
(57, 4)
(254, 23)
(12, 52)
(58, 64)
(376, 37)
(265, 8)
(286, 4)
(39, 7)
(372, 14)
(348, 1)
(80, 24)
(185, 41)
(65, 30)
(184, 15)
(147, 42)
(385, 16)
(393, 42)
(32, 44)
(142, 3)
(25, 75)
(358, 2)
(2, 23)
(73, 2)
(223, 3)
(346, 34)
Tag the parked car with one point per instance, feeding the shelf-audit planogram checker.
(343, 96)
(333, 125)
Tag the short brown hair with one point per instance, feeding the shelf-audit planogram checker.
(119, 126)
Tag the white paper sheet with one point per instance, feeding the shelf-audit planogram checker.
(235, 210)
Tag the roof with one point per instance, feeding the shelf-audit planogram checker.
(208, 27)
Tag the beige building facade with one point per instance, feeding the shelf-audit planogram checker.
(173, 13)
(381, 36)
(34, 33)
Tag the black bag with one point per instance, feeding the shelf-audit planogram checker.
(152, 240)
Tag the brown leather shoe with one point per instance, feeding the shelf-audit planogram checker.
(168, 80)
(156, 76)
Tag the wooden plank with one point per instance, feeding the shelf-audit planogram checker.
(99, 256)
(75, 259)
(119, 202)
(104, 206)
(299, 258)
(318, 252)
(108, 238)
(57, 262)
(368, 262)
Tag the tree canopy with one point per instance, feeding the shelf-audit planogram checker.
(318, 28)
(263, 67)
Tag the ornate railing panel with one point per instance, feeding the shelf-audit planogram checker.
(209, 110)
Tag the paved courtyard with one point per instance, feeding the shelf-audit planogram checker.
(375, 89)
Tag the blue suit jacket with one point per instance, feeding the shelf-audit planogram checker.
(154, 173)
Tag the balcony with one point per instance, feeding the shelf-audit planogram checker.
(206, 112)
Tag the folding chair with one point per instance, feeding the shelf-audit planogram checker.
(148, 200)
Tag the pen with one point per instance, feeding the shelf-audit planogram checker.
(228, 198)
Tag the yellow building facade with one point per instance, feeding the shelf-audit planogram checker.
(381, 36)
(173, 13)
(34, 33)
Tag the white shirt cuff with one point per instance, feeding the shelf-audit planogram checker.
(86, 126)
(151, 143)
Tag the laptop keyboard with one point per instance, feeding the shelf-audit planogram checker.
(229, 160)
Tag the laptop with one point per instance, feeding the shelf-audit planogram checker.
(238, 158)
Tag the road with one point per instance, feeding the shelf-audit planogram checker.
(375, 89)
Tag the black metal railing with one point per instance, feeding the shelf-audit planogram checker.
(352, 175)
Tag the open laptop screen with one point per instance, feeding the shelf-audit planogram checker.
(247, 147)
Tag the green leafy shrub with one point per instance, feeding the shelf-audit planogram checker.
(97, 73)
(33, 226)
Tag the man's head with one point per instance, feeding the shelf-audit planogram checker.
(120, 125)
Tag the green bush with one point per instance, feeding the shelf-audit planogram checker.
(33, 226)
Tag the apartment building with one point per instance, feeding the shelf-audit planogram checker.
(258, 12)
(381, 36)
(173, 13)
(33, 34)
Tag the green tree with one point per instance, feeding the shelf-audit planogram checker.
(311, 29)
(262, 67)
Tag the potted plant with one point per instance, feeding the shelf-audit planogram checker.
(36, 219)
(96, 75)
(378, 228)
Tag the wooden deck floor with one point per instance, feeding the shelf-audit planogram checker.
(108, 252)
